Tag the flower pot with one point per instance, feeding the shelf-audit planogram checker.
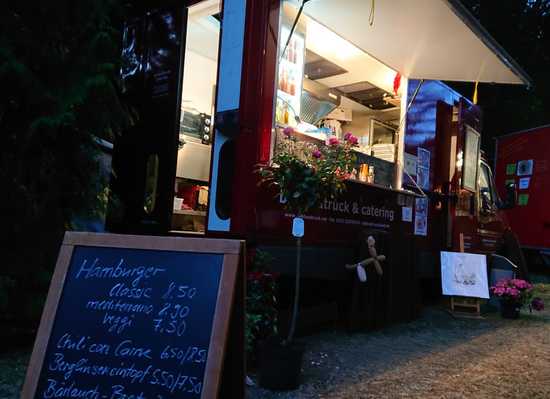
(280, 365)
(509, 310)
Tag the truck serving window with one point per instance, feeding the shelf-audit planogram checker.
(327, 87)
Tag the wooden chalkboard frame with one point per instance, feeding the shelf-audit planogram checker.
(231, 249)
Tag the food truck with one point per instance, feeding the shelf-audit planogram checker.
(216, 82)
(521, 159)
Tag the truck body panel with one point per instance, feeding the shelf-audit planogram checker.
(516, 155)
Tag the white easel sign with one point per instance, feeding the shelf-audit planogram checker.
(464, 274)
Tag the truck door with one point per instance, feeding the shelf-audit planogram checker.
(490, 225)
(466, 181)
(143, 156)
(455, 182)
(182, 75)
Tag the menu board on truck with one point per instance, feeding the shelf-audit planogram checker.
(421, 217)
(471, 159)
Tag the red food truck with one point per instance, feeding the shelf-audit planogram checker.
(522, 159)
(215, 83)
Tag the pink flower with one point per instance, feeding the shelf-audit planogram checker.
(350, 138)
(353, 140)
(333, 141)
(498, 291)
(288, 131)
(316, 154)
(514, 292)
(502, 283)
(521, 284)
(517, 283)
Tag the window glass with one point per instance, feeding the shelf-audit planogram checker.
(151, 181)
(382, 134)
(200, 69)
(196, 121)
(485, 186)
(471, 159)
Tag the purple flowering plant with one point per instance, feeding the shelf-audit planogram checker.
(517, 291)
(537, 304)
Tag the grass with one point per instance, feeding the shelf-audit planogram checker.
(542, 290)
(12, 373)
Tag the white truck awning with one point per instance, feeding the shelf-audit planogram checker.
(422, 39)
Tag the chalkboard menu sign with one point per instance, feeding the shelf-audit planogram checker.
(134, 317)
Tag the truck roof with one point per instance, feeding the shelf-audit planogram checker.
(531, 130)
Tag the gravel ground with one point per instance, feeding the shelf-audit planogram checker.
(433, 357)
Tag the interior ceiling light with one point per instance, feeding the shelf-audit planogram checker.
(319, 37)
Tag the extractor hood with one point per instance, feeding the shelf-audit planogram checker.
(317, 101)
(369, 95)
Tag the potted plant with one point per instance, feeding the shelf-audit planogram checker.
(261, 303)
(303, 174)
(515, 294)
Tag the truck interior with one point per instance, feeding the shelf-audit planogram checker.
(327, 86)
(196, 118)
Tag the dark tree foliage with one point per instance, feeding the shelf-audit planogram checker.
(522, 27)
(59, 62)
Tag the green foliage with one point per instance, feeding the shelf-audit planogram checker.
(59, 63)
(522, 27)
(6, 286)
(334, 165)
(306, 174)
(261, 300)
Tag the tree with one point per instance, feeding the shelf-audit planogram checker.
(305, 174)
(59, 63)
(522, 27)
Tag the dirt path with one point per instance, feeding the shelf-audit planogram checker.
(434, 357)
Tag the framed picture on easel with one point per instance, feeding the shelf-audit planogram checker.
(464, 274)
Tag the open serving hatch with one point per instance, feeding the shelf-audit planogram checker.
(421, 39)
(356, 52)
